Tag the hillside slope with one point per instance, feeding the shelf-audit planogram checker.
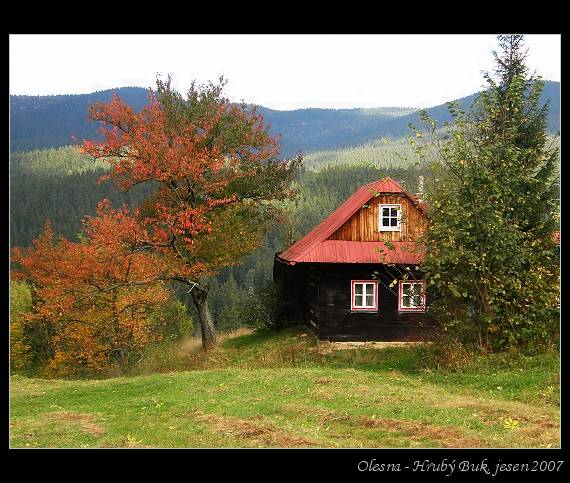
(275, 390)
(50, 121)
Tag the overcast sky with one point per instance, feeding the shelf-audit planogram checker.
(276, 71)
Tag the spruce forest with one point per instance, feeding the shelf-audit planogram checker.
(60, 184)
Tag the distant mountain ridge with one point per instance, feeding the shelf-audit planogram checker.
(38, 122)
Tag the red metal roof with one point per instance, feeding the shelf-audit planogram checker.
(308, 249)
(340, 251)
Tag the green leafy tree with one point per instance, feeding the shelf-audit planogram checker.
(492, 193)
(172, 321)
(20, 304)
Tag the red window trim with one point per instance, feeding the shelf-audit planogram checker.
(401, 293)
(364, 309)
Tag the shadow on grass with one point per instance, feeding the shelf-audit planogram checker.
(503, 375)
(401, 359)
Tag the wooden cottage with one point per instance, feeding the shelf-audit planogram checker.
(357, 275)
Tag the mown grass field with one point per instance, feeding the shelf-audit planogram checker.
(275, 390)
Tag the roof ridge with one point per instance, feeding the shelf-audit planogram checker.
(339, 216)
(385, 179)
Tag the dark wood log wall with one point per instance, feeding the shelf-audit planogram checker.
(330, 308)
(293, 287)
(364, 224)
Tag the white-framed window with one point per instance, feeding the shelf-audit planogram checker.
(412, 295)
(390, 217)
(364, 295)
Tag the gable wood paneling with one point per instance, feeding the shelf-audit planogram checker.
(364, 224)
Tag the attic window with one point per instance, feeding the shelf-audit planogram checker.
(364, 295)
(412, 296)
(390, 217)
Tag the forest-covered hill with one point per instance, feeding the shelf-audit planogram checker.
(345, 148)
(60, 185)
(38, 122)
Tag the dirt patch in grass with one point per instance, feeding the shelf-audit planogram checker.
(251, 429)
(323, 380)
(322, 394)
(546, 435)
(87, 421)
(446, 436)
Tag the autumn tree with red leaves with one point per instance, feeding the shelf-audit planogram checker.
(215, 173)
(93, 298)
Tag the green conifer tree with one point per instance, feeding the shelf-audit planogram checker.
(493, 199)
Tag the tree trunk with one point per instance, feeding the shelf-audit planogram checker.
(199, 295)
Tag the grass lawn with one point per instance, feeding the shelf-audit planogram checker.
(274, 390)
